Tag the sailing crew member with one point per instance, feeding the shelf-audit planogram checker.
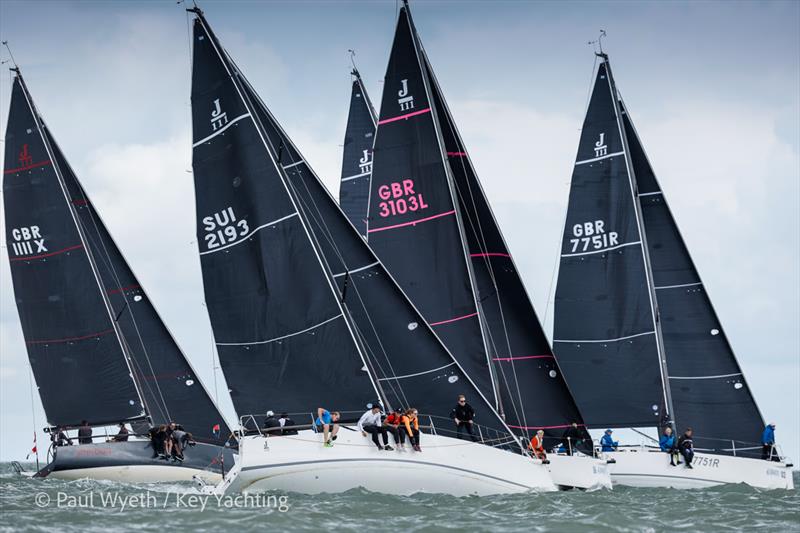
(768, 444)
(325, 420)
(537, 446)
(607, 443)
(59, 438)
(370, 422)
(392, 425)
(411, 423)
(271, 423)
(84, 433)
(667, 444)
(686, 447)
(286, 424)
(573, 437)
(122, 434)
(463, 415)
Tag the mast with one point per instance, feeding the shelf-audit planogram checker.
(662, 358)
(82, 236)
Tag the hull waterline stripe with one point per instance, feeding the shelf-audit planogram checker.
(650, 193)
(678, 286)
(26, 167)
(609, 340)
(222, 129)
(57, 252)
(297, 463)
(413, 222)
(456, 319)
(293, 164)
(562, 426)
(603, 250)
(348, 178)
(246, 237)
(706, 377)
(418, 373)
(491, 254)
(282, 337)
(376, 263)
(520, 357)
(402, 117)
(70, 339)
(615, 154)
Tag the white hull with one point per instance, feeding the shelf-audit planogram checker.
(647, 467)
(579, 472)
(300, 463)
(137, 474)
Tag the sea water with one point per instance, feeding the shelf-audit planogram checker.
(86, 506)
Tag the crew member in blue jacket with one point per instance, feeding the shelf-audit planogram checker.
(667, 444)
(768, 443)
(608, 444)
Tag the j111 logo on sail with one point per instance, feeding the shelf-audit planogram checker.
(25, 239)
(365, 163)
(600, 147)
(218, 117)
(406, 101)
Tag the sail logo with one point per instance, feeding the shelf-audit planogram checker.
(223, 228)
(399, 198)
(25, 158)
(405, 100)
(26, 238)
(365, 163)
(218, 117)
(600, 147)
(592, 234)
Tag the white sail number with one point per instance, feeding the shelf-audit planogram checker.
(592, 234)
(223, 228)
(399, 198)
(25, 239)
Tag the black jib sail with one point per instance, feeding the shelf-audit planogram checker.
(303, 313)
(709, 392)
(357, 157)
(605, 334)
(98, 349)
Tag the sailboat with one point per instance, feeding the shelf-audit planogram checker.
(635, 331)
(306, 316)
(98, 349)
(430, 223)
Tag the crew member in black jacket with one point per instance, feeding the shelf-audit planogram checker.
(464, 416)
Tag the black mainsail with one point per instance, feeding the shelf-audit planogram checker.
(630, 306)
(303, 312)
(357, 155)
(459, 265)
(708, 389)
(98, 349)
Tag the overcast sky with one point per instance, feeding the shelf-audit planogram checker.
(712, 87)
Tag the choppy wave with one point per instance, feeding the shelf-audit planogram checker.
(725, 508)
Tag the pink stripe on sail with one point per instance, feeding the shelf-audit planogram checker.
(518, 357)
(491, 254)
(457, 154)
(412, 223)
(401, 117)
(453, 319)
(564, 426)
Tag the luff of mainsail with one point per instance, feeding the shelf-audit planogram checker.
(708, 389)
(357, 155)
(303, 277)
(73, 342)
(605, 328)
(535, 394)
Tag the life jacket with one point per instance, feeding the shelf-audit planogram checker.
(536, 444)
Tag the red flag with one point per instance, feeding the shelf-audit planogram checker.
(33, 450)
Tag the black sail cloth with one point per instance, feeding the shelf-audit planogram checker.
(604, 331)
(357, 156)
(72, 378)
(303, 312)
(709, 392)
